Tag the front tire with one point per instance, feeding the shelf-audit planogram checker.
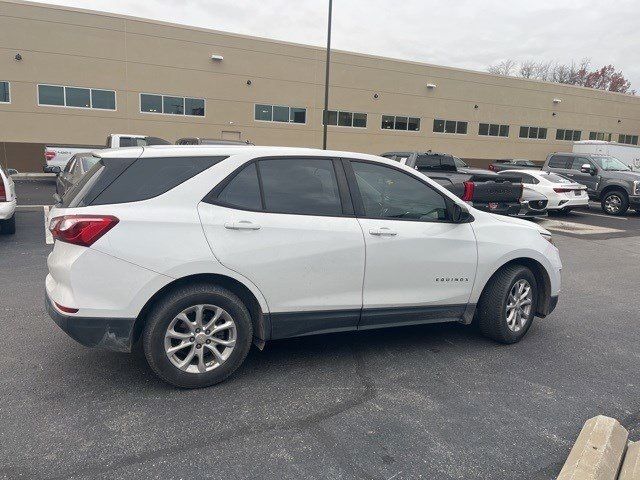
(507, 306)
(615, 203)
(197, 335)
(8, 226)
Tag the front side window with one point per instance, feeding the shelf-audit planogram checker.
(394, 195)
(578, 162)
(243, 191)
(558, 161)
(5, 97)
(76, 97)
(300, 186)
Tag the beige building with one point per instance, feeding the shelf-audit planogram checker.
(71, 76)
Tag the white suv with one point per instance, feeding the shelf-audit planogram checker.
(197, 251)
(7, 203)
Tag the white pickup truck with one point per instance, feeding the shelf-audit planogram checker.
(57, 156)
(627, 154)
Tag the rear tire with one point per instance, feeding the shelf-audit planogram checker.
(615, 202)
(492, 314)
(566, 210)
(195, 363)
(8, 226)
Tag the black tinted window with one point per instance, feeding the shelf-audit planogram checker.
(302, 186)
(243, 190)
(428, 162)
(149, 177)
(391, 194)
(558, 161)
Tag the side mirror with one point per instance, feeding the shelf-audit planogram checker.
(55, 169)
(12, 171)
(460, 214)
(586, 168)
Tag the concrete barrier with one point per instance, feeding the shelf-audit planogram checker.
(598, 451)
(631, 465)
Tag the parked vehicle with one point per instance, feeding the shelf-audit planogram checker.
(607, 179)
(627, 154)
(210, 141)
(79, 164)
(513, 164)
(533, 204)
(58, 156)
(483, 189)
(562, 194)
(268, 243)
(7, 203)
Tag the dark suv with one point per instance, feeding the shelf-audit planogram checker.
(607, 179)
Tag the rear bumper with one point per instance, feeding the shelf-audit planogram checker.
(109, 333)
(7, 209)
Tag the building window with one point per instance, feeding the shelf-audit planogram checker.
(628, 139)
(539, 133)
(449, 126)
(76, 97)
(171, 105)
(600, 136)
(493, 130)
(399, 122)
(570, 135)
(5, 96)
(280, 114)
(346, 119)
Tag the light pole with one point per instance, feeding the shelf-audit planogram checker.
(325, 113)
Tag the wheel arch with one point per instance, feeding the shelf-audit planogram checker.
(613, 186)
(543, 302)
(259, 319)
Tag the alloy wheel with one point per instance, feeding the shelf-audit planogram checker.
(200, 338)
(519, 303)
(613, 203)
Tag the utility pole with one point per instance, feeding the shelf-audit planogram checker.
(325, 113)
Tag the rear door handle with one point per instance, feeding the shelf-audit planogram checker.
(242, 225)
(382, 232)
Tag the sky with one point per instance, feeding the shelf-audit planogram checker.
(470, 34)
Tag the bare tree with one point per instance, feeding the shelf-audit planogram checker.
(528, 69)
(506, 67)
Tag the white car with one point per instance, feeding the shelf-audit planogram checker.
(562, 194)
(7, 203)
(198, 250)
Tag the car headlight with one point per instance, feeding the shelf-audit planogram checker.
(548, 238)
(636, 187)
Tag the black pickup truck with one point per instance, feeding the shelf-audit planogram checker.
(483, 189)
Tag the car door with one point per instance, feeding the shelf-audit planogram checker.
(286, 225)
(420, 266)
(576, 174)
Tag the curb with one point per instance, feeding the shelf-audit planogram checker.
(598, 451)
(631, 466)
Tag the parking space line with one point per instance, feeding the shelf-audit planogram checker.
(613, 217)
(47, 234)
(18, 207)
(576, 228)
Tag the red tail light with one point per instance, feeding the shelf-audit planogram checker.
(66, 309)
(3, 192)
(49, 155)
(469, 187)
(562, 190)
(83, 230)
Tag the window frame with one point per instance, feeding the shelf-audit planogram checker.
(627, 136)
(289, 107)
(358, 203)
(444, 132)
(8, 92)
(172, 115)
(537, 137)
(500, 126)
(353, 114)
(64, 96)
(341, 179)
(564, 135)
(394, 129)
(606, 136)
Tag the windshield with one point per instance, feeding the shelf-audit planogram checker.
(554, 178)
(459, 163)
(610, 164)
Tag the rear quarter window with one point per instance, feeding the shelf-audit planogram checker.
(558, 161)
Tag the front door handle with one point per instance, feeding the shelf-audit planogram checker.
(382, 232)
(242, 225)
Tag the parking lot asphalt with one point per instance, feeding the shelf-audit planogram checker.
(433, 402)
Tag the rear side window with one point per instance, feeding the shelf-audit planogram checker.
(119, 180)
(243, 191)
(558, 161)
(428, 162)
(301, 186)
